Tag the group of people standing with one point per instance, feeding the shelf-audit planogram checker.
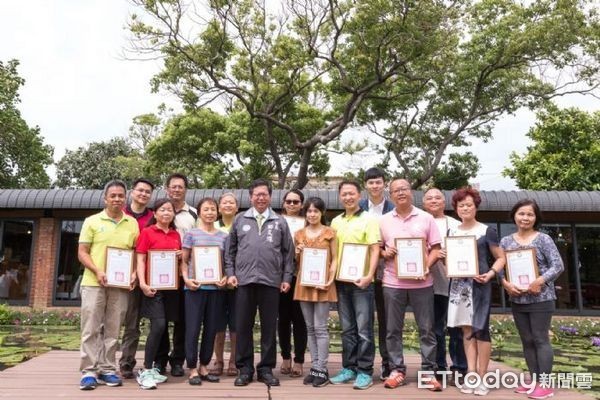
(262, 258)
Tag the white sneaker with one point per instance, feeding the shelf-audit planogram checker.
(481, 390)
(145, 379)
(158, 378)
(466, 389)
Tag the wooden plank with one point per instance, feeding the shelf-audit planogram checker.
(54, 375)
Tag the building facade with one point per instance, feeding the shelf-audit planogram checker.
(39, 231)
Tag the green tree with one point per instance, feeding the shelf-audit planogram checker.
(565, 154)
(144, 129)
(456, 171)
(301, 75)
(93, 165)
(195, 143)
(499, 56)
(23, 154)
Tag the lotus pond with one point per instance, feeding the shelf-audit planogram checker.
(576, 342)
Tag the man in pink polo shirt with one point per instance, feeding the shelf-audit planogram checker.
(407, 221)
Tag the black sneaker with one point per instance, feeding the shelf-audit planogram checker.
(309, 378)
(177, 370)
(321, 378)
(385, 372)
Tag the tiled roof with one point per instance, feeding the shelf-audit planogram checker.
(551, 201)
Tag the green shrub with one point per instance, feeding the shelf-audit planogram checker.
(7, 316)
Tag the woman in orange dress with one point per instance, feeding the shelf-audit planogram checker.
(314, 301)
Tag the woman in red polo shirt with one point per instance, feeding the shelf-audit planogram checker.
(158, 306)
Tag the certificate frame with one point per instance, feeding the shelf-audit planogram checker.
(314, 275)
(408, 268)
(352, 257)
(294, 223)
(461, 256)
(163, 277)
(521, 279)
(207, 276)
(118, 276)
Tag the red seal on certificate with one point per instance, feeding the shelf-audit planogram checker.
(524, 280)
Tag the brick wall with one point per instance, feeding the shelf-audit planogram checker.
(44, 262)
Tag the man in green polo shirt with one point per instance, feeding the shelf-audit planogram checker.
(103, 308)
(356, 299)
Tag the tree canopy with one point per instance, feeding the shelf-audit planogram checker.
(23, 154)
(565, 154)
(501, 55)
(93, 165)
(300, 73)
(424, 76)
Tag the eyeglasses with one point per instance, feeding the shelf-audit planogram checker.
(294, 202)
(401, 190)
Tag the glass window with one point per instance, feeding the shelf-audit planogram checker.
(507, 229)
(69, 270)
(15, 260)
(566, 289)
(588, 248)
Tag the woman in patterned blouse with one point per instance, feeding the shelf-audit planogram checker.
(533, 308)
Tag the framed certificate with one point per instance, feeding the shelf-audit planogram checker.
(119, 267)
(461, 256)
(207, 263)
(295, 223)
(313, 267)
(352, 262)
(521, 267)
(410, 258)
(162, 269)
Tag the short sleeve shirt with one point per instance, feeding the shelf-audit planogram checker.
(185, 219)
(154, 238)
(360, 227)
(100, 231)
(198, 237)
(418, 224)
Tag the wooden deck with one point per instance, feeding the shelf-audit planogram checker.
(54, 375)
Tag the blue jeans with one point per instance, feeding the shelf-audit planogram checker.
(356, 311)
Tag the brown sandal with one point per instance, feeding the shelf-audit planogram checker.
(232, 370)
(297, 371)
(217, 368)
(286, 370)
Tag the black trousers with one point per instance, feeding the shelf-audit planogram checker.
(291, 321)
(177, 356)
(158, 327)
(381, 323)
(202, 309)
(249, 298)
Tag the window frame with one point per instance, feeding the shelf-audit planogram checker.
(34, 233)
